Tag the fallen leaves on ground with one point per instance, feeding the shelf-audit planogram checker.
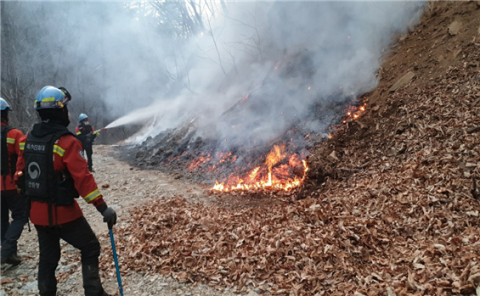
(391, 214)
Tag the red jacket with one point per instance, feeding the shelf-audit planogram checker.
(13, 140)
(66, 155)
(78, 132)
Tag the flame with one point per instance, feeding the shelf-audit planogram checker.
(280, 170)
(354, 113)
(198, 162)
(274, 175)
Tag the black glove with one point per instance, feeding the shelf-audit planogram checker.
(110, 217)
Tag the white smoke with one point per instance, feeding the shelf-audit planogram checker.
(324, 49)
(115, 60)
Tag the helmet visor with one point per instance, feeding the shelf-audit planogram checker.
(61, 103)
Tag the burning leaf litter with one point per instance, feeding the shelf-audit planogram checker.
(389, 209)
(269, 177)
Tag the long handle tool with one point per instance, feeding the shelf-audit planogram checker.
(119, 279)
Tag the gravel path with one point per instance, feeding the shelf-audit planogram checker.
(123, 187)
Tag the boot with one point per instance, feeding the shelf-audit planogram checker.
(91, 280)
(14, 260)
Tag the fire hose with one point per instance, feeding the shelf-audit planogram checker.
(97, 132)
(119, 279)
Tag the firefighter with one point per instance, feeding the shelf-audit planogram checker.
(86, 134)
(10, 199)
(51, 186)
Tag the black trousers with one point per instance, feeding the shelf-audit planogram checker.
(79, 234)
(14, 202)
(89, 151)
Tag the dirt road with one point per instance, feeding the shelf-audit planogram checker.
(124, 188)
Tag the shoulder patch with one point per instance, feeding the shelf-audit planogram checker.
(81, 154)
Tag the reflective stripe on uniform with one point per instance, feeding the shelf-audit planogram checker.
(92, 195)
(10, 140)
(57, 149)
(78, 133)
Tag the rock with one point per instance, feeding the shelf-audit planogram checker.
(402, 81)
(454, 28)
(64, 268)
(32, 286)
(333, 155)
(252, 293)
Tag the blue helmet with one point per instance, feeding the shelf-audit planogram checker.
(5, 105)
(82, 117)
(51, 97)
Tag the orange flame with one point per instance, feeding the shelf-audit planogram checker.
(274, 177)
(198, 162)
(354, 113)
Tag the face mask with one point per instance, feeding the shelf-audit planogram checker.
(86, 122)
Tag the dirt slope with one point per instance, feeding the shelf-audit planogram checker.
(388, 206)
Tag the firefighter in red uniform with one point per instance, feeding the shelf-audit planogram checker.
(11, 200)
(86, 134)
(51, 186)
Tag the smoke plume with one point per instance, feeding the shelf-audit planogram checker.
(286, 56)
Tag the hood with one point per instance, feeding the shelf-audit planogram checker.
(45, 128)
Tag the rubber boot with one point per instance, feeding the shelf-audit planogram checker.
(91, 280)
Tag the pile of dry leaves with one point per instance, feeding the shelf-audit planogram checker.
(389, 209)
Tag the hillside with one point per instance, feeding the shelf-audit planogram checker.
(388, 208)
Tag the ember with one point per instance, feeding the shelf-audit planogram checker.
(355, 112)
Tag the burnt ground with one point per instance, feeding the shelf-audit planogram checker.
(389, 207)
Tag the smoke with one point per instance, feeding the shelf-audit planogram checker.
(120, 60)
(286, 56)
(109, 55)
